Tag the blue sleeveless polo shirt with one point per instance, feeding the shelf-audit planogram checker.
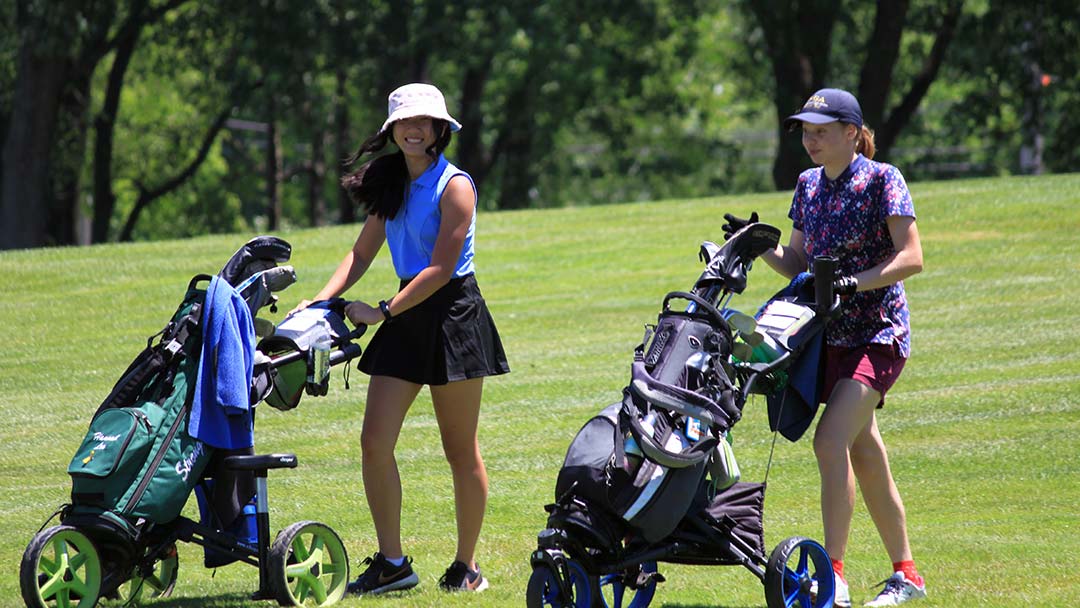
(411, 234)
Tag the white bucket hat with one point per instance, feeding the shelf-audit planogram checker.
(417, 99)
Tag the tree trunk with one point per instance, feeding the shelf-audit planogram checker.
(514, 146)
(27, 149)
(346, 209)
(273, 166)
(316, 177)
(470, 152)
(882, 52)
(104, 129)
(798, 49)
(901, 115)
(67, 159)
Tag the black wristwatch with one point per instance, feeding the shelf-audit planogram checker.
(385, 308)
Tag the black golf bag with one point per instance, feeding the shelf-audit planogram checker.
(652, 478)
(645, 458)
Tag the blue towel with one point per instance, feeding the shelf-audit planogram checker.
(792, 409)
(221, 412)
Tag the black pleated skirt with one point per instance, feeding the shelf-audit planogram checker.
(448, 337)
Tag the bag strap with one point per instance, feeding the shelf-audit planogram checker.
(703, 309)
(630, 418)
(675, 398)
(155, 358)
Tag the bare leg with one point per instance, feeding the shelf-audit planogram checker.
(457, 408)
(871, 465)
(850, 409)
(388, 400)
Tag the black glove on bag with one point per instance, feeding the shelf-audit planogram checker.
(845, 286)
(735, 224)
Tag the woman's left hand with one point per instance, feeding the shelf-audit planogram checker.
(362, 313)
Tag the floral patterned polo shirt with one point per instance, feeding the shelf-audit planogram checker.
(845, 218)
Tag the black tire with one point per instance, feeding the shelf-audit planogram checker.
(60, 569)
(788, 583)
(308, 565)
(543, 589)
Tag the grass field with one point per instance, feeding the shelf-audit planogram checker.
(983, 427)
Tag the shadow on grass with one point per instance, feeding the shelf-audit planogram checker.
(224, 600)
(711, 605)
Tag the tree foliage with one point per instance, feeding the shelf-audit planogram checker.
(145, 119)
(811, 44)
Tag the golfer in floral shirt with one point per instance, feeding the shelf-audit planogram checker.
(860, 212)
(846, 218)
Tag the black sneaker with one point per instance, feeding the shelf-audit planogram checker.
(382, 576)
(458, 577)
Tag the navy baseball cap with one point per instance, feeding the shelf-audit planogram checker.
(828, 105)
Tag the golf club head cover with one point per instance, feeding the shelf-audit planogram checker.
(265, 283)
(258, 254)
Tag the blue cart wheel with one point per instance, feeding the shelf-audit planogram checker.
(794, 566)
(544, 591)
(612, 590)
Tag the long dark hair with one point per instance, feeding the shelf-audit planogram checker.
(378, 186)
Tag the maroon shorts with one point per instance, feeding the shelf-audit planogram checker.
(875, 365)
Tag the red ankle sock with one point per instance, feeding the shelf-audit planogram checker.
(838, 568)
(908, 568)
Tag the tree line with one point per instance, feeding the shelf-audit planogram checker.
(143, 119)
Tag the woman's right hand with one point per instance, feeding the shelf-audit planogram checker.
(301, 306)
(362, 313)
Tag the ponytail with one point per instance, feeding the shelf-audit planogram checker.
(865, 142)
(378, 186)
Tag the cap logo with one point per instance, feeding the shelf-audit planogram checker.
(816, 102)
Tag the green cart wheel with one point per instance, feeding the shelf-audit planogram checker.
(60, 569)
(308, 565)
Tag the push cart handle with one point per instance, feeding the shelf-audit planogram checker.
(346, 351)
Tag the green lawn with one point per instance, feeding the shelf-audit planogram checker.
(983, 427)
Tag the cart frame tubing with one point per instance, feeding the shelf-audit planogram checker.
(262, 524)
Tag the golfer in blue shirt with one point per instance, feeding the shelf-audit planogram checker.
(434, 330)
